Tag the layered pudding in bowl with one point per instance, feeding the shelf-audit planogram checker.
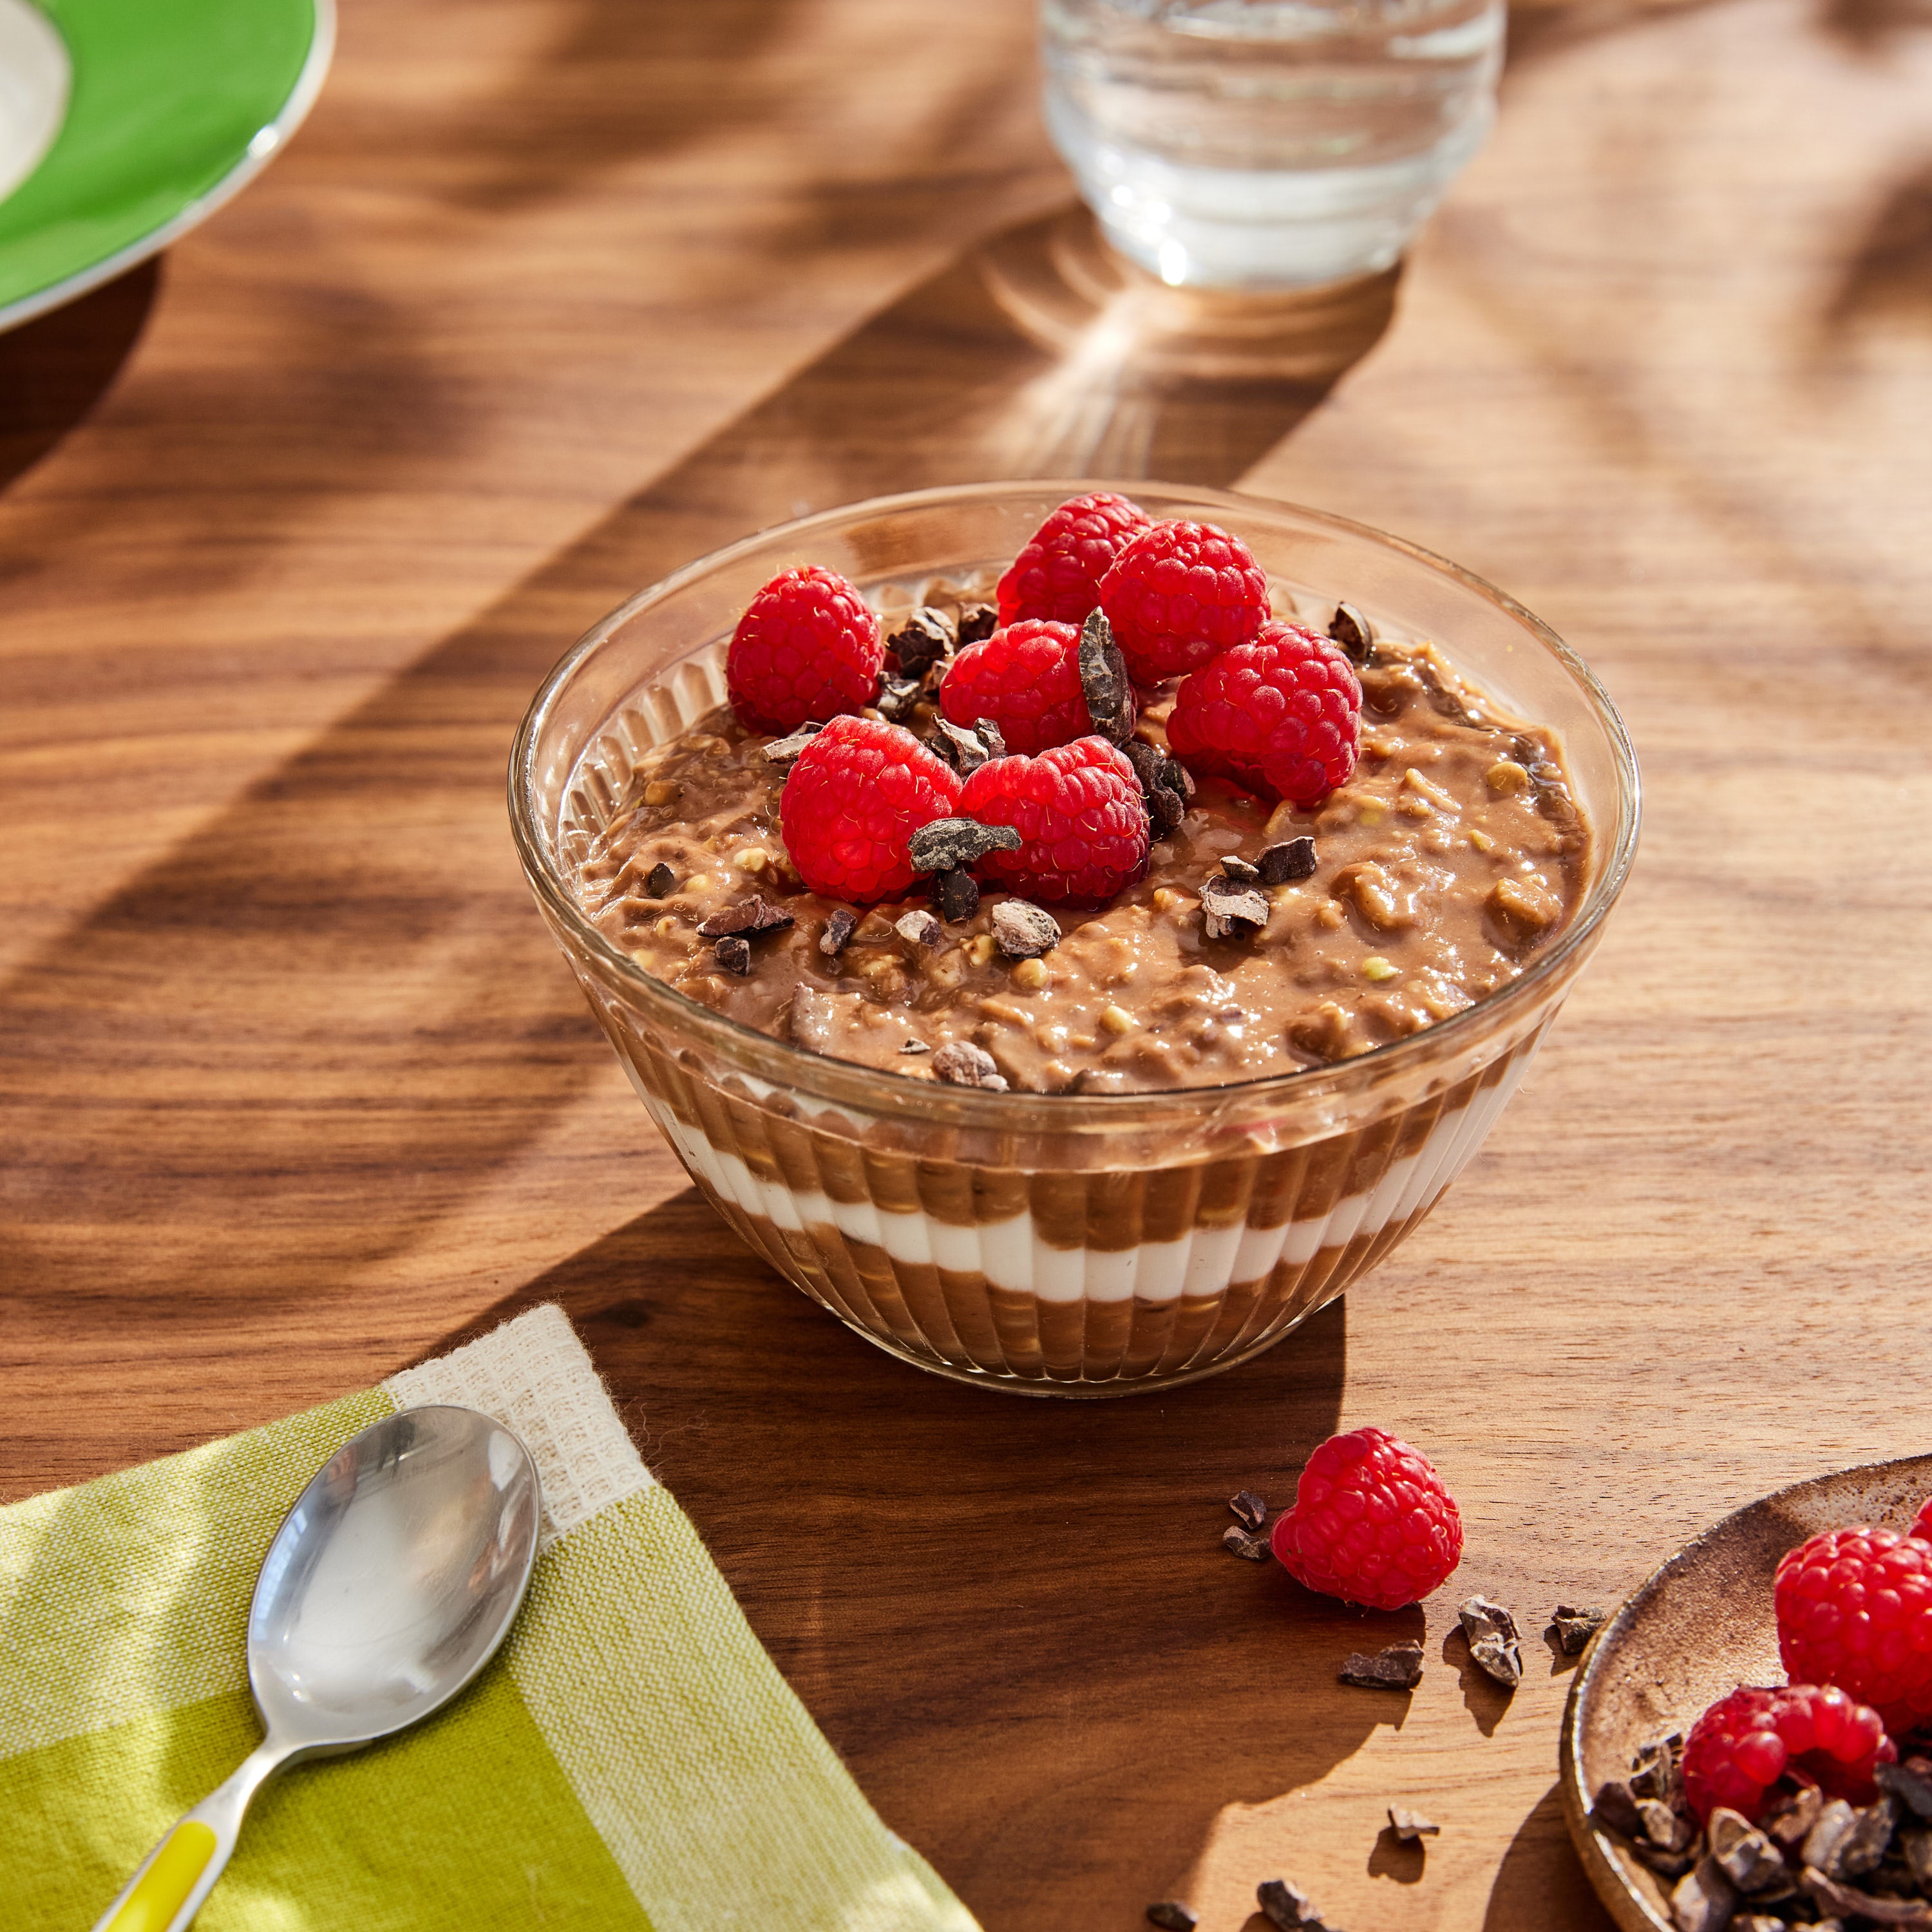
(1147, 1041)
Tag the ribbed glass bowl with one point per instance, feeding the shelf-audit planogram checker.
(1058, 1244)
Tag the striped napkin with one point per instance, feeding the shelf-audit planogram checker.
(632, 1759)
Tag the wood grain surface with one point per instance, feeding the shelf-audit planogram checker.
(551, 294)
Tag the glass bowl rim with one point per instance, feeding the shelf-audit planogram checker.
(1066, 1113)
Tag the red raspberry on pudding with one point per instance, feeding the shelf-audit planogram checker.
(1372, 1523)
(1180, 594)
(807, 646)
(1026, 679)
(1078, 809)
(859, 791)
(1280, 715)
(1854, 1609)
(1740, 1748)
(1057, 574)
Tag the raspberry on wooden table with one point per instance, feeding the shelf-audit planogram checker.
(1178, 595)
(1281, 714)
(1077, 808)
(1026, 679)
(1743, 1743)
(1371, 1522)
(1854, 1609)
(1058, 570)
(859, 791)
(807, 646)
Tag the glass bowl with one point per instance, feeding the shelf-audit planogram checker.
(1079, 1244)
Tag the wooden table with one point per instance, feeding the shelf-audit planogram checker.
(551, 295)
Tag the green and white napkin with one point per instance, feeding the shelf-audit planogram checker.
(632, 1759)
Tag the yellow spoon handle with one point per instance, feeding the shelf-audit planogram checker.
(166, 1890)
(165, 1883)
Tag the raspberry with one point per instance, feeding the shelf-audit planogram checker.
(1372, 1523)
(1058, 570)
(1281, 716)
(858, 793)
(1854, 1609)
(807, 646)
(1178, 594)
(1027, 679)
(1077, 808)
(1745, 1742)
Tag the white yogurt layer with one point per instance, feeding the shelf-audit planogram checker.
(1013, 1255)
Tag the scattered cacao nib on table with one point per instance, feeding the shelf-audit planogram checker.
(1245, 1543)
(1250, 1510)
(1399, 1667)
(1493, 1642)
(1408, 1826)
(1288, 1908)
(1171, 1916)
(1575, 1627)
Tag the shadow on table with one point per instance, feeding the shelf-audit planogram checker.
(1013, 1616)
(54, 369)
(1540, 1881)
(359, 911)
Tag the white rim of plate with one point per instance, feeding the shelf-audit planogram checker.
(268, 142)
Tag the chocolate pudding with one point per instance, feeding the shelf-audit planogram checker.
(1454, 852)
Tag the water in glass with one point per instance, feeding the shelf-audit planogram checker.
(1267, 143)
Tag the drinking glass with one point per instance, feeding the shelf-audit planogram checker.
(1268, 144)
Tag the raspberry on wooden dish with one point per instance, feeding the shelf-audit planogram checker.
(807, 646)
(1740, 1746)
(1082, 825)
(1372, 1523)
(1057, 573)
(1280, 715)
(859, 791)
(1180, 594)
(1854, 1609)
(1025, 678)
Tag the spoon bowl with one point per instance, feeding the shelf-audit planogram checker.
(388, 1586)
(393, 1579)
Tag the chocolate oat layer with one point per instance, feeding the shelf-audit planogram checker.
(1453, 856)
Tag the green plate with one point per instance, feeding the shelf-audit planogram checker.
(174, 106)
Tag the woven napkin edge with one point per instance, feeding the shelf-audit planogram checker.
(533, 1376)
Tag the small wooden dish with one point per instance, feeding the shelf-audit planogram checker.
(1697, 1628)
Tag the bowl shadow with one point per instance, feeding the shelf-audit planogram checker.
(993, 1608)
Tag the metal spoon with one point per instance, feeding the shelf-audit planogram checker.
(387, 1588)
